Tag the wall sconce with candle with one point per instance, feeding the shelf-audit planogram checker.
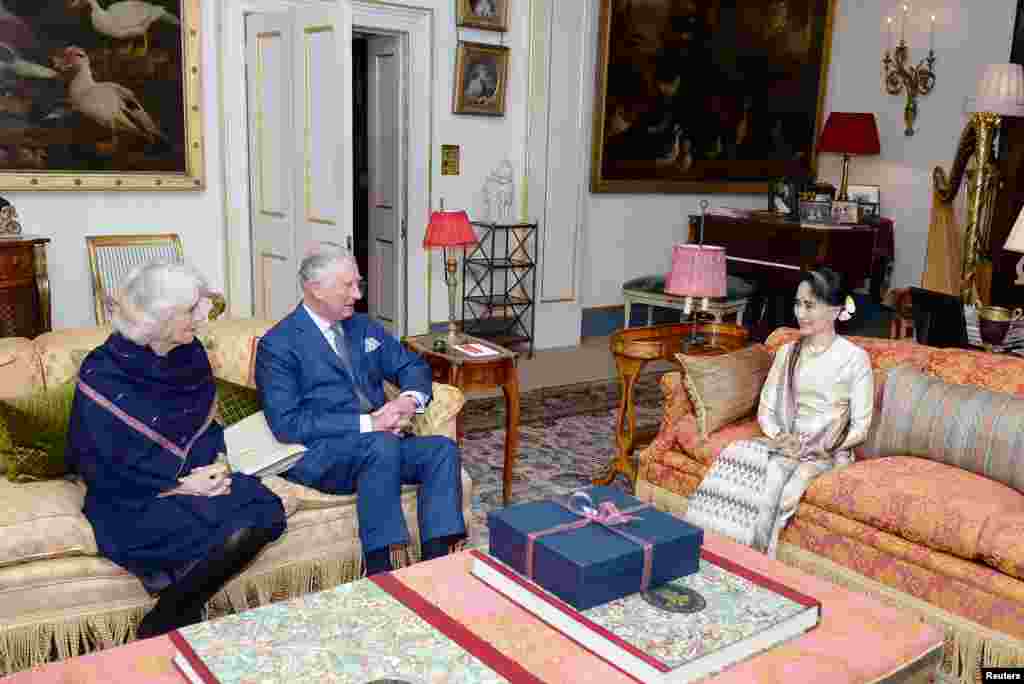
(903, 77)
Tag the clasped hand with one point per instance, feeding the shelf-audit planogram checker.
(792, 446)
(395, 416)
(210, 480)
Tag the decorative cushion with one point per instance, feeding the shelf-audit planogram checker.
(724, 388)
(43, 520)
(932, 504)
(37, 425)
(1002, 543)
(235, 402)
(964, 426)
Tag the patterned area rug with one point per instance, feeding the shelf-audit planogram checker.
(557, 454)
(548, 404)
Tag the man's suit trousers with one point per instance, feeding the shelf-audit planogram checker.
(375, 465)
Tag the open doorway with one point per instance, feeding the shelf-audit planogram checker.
(361, 162)
(379, 190)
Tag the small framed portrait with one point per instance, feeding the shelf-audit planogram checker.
(869, 210)
(491, 15)
(845, 212)
(481, 79)
(865, 195)
(784, 197)
(816, 212)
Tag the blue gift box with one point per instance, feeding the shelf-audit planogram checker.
(592, 565)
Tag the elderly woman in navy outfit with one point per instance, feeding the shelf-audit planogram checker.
(144, 439)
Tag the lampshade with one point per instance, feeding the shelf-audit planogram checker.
(697, 271)
(1015, 243)
(1001, 90)
(449, 229)
(850, 133)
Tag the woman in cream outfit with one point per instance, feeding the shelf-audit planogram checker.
(816, 405)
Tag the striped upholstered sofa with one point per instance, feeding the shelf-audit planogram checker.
(59, 597)
(930, 517)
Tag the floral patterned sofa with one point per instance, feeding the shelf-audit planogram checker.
(58, 597)
(937, 533)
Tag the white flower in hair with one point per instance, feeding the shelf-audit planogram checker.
(849, 308)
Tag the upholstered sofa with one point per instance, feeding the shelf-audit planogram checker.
(929, 517)
(59, 597)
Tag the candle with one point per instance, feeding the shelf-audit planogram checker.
(903, 23)
(888, 22)
(931, 36)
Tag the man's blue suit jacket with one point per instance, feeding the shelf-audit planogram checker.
(307, 395)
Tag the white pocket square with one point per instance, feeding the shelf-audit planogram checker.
(371, 344)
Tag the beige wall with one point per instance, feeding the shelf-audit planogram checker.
(623, 235)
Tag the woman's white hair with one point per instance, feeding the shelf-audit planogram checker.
(149, 295)
(323, 261)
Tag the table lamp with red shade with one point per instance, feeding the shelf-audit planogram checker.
(849, 133)
(698, 272)
(449, 230)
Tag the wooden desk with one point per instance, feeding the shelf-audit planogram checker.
(633, 348)
(24, 286)
(474, 374)
(773, 251)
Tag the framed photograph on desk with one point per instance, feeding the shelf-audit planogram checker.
(869, 198)
(816, 212)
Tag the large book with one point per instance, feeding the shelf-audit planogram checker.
(372, 630)
(252, 448)
(682, 631)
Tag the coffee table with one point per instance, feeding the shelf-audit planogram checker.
(858, 640)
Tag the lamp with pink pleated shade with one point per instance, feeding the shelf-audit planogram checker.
(698, 272)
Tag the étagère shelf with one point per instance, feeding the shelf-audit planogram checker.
(500, 281)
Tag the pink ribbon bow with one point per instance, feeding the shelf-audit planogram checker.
(606, 514)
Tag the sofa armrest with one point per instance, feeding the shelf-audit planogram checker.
(677, 406)
(676, 401)
(439, 418)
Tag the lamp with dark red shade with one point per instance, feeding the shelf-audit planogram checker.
(448, 230)
(849, 133)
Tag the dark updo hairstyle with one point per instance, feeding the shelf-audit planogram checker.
(826, 285)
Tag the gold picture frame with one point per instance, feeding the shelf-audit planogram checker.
(490, 15)
(481, 79)
(708, 96)
(69, 150)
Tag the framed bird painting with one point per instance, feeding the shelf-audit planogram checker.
(100, 95)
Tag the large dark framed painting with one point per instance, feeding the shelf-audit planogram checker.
(98, 95)
(708, 95)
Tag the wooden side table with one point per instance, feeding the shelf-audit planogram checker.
(633, 348)
(474, 374)
(24, 286)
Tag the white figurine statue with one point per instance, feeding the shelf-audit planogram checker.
(499, 193)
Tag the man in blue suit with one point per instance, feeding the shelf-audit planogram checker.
(320, 373)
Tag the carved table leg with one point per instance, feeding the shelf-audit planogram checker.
(510, 388)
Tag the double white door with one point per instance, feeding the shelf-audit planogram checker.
(299, 88)
(298, 69)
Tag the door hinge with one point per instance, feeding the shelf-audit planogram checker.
(405, 227)
(348, 242)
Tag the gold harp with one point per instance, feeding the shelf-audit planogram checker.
(954, 263)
